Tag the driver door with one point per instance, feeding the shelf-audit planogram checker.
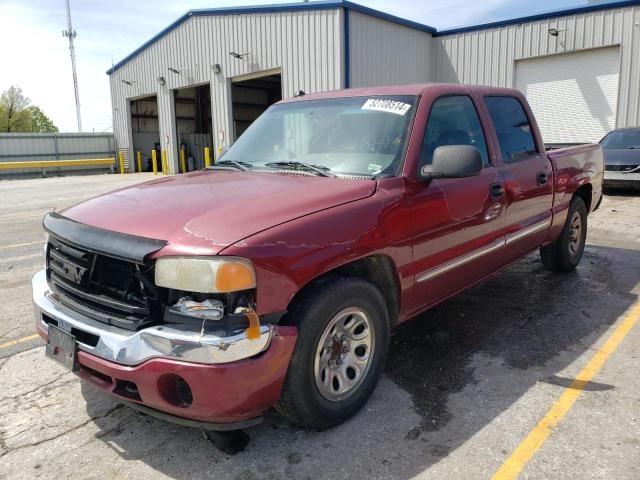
(459, 222)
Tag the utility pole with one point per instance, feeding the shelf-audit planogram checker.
(70, 33)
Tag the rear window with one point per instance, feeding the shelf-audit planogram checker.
(512, 128)
(624, 139)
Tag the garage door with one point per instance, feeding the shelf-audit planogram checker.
(573, 95)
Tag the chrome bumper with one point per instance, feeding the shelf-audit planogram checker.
(610, 176)
(212, 345)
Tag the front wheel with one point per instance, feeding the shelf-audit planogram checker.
(565, 253)
(343, 339)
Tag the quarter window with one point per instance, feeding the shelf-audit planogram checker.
(453, 121)
(512, 128)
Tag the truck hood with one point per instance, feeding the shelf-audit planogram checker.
(203, 212)
(626, 156)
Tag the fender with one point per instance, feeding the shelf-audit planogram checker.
(573, 168)
(289, 256)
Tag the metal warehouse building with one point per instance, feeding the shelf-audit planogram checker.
(206, 77)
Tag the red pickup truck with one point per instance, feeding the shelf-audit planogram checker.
(272, 279)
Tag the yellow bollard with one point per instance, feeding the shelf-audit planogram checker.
(154, 161)
(139, 157)
(121, 162)
(165, 167)
(183, 163)
(207, 157)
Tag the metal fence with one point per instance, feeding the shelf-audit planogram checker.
(57, 148)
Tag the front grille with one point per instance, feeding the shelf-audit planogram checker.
(621, 168)
(106, 289)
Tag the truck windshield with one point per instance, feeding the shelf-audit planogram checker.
(622, 139)
(363, 136)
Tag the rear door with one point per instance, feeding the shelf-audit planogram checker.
(458, 221)
(526, 172)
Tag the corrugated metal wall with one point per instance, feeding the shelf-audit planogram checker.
(21, 147)
(488, 57)
(306, 45)
(308, 48)
(386, 53)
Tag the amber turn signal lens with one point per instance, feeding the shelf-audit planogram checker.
(253, 332)
(234, 276)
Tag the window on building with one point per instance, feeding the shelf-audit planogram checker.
(453, 121)
(512, 128)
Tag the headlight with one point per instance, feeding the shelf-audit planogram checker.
(205, 275)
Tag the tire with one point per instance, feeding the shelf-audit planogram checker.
(355, 361)
(565, 253)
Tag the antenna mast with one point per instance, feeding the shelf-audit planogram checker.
(70, 33)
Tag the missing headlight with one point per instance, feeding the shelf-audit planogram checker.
(209, 309)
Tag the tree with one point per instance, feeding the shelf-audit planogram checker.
(18, 115)
(14, 116)
(40, 122)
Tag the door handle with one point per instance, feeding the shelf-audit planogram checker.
(542, 178)
(496, 190)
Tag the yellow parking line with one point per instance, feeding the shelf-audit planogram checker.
(512, 467)
(18, 340)
(2, 247)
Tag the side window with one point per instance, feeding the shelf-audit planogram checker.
(512, 128)
(453, 121)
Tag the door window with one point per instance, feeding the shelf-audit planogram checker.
(512, 128)
(453, 121)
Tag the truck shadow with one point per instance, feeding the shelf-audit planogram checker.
(449, 374)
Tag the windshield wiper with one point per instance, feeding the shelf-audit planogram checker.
(244, 166)
(320, 170)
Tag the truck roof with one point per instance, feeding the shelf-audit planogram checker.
(419, 89)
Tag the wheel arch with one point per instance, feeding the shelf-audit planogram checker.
(585, 192)
(378, 269)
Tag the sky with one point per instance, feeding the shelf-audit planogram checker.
(34, 55)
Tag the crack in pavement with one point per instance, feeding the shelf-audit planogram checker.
(8, 450)
(6, 333)
(39, 387)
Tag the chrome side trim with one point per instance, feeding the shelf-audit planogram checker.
(458, 262)
(210, 344)
(531, 229)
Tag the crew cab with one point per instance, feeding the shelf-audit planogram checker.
(273, 278)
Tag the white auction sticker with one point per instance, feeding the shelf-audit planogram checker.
(390, 106)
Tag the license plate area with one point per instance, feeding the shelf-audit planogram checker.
(61, 347)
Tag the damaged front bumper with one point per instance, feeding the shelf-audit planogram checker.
(231, 379)
(210, 344)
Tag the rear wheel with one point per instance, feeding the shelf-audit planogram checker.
(565, 253)
(343, 339)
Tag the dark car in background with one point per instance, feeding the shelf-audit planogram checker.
(622, 158)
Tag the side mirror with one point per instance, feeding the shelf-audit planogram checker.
(453, 161)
